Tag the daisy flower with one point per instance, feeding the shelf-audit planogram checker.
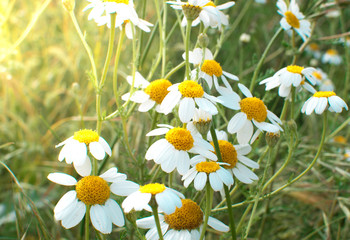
(324, 83)
(293, 18)
(123, 8)
(321, 100)
(289, 76)
(339, 139)
(75, 148)
(314, 50)
(203, 171)
(203, 11)
(92, 191)
(253, 110)
(210, 69)
(347, 155)
(167, 199)
(332, 57)
(172, 151)
(185, 223)
(152, 94)
(234, 156)
(188, 94)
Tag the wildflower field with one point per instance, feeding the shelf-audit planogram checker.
(135, 119)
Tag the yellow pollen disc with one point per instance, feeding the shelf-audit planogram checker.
(157, 90)
(180, 138)
(332, 52)
(295, 69)
(212, 67)
(210, 3)
(207, 167)
(314, 46)
(92, 190)
(189, 216)
(317, 75)
(153, 188)
(254, 108)
(118, 1)
(292, 19)
(325, 94)
(339, 139)
(228, 153)
(191, 89)
(347, 155)
(86, 136)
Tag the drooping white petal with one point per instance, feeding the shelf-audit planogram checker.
(100, 220)
(200, 181)
(75, 216)
(217, 225)
(114, 212)
(97, 150)
(124, 188)
(84, 169)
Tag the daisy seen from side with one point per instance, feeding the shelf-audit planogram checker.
(252, 111)
(173, 151)
(332, 57)
(93, 191)
(291, 76)
(75, 149)
(200, 123)
(293, 19)
(185, 223)
(321, 100)
(210, 70)
(152, 93)
(166, 198)
(188, 94)
(234, 157)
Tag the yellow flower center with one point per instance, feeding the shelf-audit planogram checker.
(325, 94)
(92, 190)
(191, 12)
(295, 69)
(212, 67)
(153, 188)
(86, 136)
(228, 153)
(157, 90)
(292, 19)
(189, 216)
(191, 89)
(332, 52)
(118, 1)
(210, 3)
(207, 167)
(180, 138)
(346, 155)
(317, 75)
(339, 139)
(314, 47)
(254, 108)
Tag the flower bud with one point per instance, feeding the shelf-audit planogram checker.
(272, 138)
(202, 121)
(244, 38)
(203, 40)
(68, 5)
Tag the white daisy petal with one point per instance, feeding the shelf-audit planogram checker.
(75, 216)
(100, 220)
(114, 212)
(62, 179)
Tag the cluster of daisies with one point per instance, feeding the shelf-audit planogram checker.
(190, 149)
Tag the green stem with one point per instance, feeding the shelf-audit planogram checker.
(256, 202)
(174, 70)
(87, 222)
(336, 131)
(161, 32)
(156, 219)
(229, 208)
(116, 63)
(293, 103)
(208, 197)
(261, 61)
(86, 46)
(104, 74)
(284, 109)
(187, 45)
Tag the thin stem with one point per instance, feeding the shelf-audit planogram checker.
(208, 197)
(86, 46)
(116, 63)
(336, 131)
(227, 193)
(187, 45)
(293, 103)
(229, 208)
(261, 61)
(174, 70)
(156, 219)
(104, 74)
(161, 32)
(87, 222)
